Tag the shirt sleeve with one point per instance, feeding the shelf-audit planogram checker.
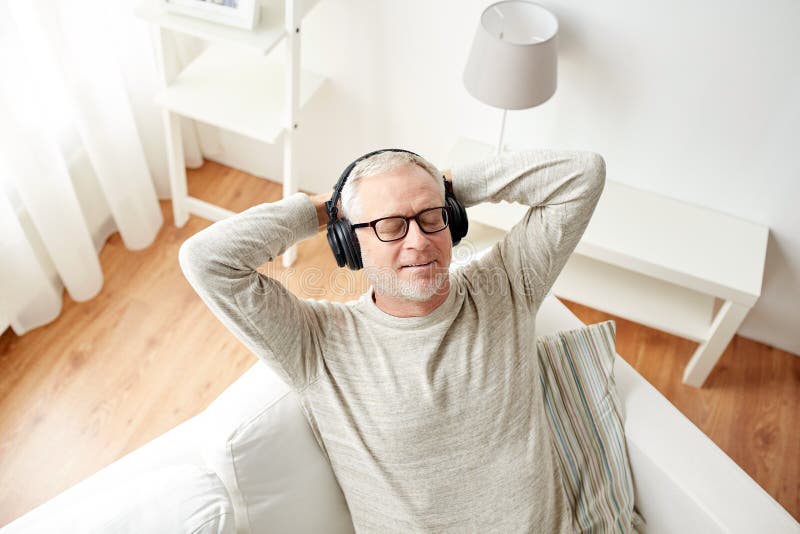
(562, 188)
(220, 263)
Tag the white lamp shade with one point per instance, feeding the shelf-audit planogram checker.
(512, 64)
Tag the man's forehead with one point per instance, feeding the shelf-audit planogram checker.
(386, 196)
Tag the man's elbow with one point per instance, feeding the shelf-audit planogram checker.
(596, 171)
(190, 258)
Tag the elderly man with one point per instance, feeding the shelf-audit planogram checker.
(424, 393)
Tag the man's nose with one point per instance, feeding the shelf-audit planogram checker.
(415, 237)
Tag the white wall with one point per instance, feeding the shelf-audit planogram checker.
(691, 100)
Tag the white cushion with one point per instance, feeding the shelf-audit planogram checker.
(184, 498)
(262, 447)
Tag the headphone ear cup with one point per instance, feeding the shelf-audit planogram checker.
(459, 225)
(336, 245)
(350, 247)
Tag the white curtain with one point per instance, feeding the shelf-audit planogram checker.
(72, 165)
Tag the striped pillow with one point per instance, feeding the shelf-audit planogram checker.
(585, 415)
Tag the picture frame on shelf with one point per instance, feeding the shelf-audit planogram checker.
(238, 13)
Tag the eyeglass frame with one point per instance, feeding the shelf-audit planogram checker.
(373, 222)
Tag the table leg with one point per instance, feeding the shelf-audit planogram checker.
(177, 168)
(722, 329)
(292, 94)
(168, 69)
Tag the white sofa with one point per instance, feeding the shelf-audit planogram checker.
(684, 483)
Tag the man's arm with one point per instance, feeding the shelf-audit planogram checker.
(561, 186)
(220, 263)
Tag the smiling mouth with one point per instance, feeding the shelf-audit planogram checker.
(419, 265)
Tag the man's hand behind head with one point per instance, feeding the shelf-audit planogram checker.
(319, 203)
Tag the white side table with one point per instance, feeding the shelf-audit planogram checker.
(235, 84)
(674, 266)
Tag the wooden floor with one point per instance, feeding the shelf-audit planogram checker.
(112, 373)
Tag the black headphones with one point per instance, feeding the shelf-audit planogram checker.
(342, 237)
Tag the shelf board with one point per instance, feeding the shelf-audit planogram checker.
(230, 88)
(640, 298)
(268, 33)
(686, 244)
(680, 311)
(649, 233)
(207, 210)
(478, 241)
(502, 215)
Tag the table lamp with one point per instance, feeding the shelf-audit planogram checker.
(512, 64)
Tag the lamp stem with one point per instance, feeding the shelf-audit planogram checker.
(502, 131)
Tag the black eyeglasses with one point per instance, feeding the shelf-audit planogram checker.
(430, 221)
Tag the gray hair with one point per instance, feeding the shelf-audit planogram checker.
(379, 164)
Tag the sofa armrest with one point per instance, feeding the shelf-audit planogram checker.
(683, 481)
(682, 478)
(176, 446)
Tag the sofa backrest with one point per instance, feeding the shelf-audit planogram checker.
(263, 450)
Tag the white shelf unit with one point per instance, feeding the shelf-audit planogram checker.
(671, 265)
(235, 84)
